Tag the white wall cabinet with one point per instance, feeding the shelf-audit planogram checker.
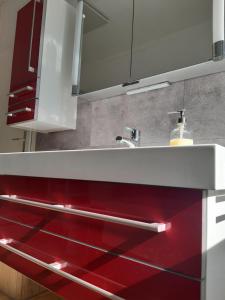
(40, 96)
(160, 41)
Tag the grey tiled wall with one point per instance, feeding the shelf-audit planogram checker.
(101, 121)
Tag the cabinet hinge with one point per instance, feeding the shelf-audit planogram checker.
(130, 83)
(218, 50)
(75, 90)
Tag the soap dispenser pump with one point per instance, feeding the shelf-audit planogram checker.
(180, 136)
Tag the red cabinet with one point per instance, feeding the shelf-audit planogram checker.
(131, 263)
(112, 273)
(26, 48)
(25, 62)
(170, 249)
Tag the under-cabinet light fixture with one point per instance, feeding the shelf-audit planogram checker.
(149, 88)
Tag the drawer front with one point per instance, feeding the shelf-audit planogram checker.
(22, 112)
(51, 281)
(171, 249)
(112, 273)
(22, 93)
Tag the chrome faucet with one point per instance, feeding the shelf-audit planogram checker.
(134, 139)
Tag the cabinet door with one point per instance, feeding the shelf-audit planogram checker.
(170, 35)
(106, 50)
(26, 48)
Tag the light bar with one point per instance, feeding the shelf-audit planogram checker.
(149, 88)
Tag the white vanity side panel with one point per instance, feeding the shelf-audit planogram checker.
(215, 251)
(219, 168)
(56, 105)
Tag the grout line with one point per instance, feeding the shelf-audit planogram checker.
(184, 94)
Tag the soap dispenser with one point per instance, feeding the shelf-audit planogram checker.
(180, 136)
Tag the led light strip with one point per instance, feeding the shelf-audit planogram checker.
(149, 88)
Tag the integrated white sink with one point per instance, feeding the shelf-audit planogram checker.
(200, 166)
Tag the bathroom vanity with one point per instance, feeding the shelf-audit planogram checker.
(142, 223)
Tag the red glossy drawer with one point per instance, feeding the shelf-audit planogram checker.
(22, 94)
(22, 112)
(63, 287)
(112, 273)
(171, 249)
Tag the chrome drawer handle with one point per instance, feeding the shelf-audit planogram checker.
(14, 112)
(24, 89)
(56, 268)
(155, 227)
(30, 68)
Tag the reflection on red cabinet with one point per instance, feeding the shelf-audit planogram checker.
(125, 261)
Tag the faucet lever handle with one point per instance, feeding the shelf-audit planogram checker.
(134, 134)
(129, 129)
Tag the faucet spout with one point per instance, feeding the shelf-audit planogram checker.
(125, 141)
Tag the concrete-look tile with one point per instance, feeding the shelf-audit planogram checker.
(108, 121)
(205, 104)
(101, 121)
(70, 139)
(149, 113)
(211, 140)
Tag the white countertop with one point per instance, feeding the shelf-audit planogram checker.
(200, 166)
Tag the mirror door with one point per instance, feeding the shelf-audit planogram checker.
(170, 35)
(106, 46)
